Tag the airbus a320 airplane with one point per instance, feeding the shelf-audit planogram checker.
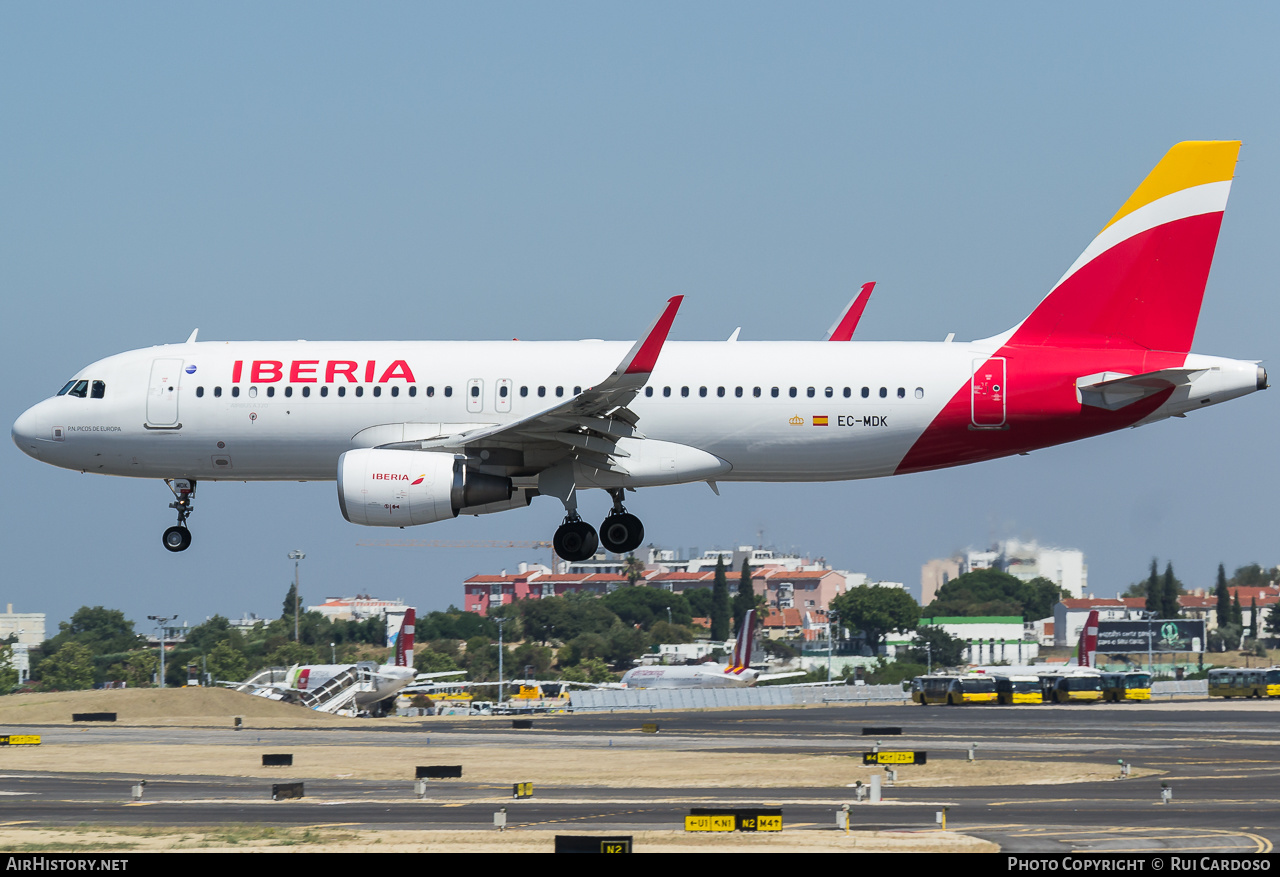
(422, 431)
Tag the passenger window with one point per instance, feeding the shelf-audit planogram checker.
(866, 391)
(542, 391)
(684, 391)
(559, 392)
(199, 392)
(919, 392)
(306, 392)
(342, 391)
(848, 391)
(413, 391)
(884, 392)
(324, 392)
(577, 391)
(902, 392)
(648, 392)
(395, 391)
(755, 391)
(217, 392)
(830, 392)
(253, 392)
(666, 391)
(720, 391)
(774, 392)
(431, 391)
(377, 391)
(81, 389)
(359, 391)
(810, 392)
(448, 391)
(737, 391)
(524, 391)
(702, 391)
(502, 391)
(271, 391)
(99, 390)
(475, 392)
(235, 392)
(793, 392)
(288, 392)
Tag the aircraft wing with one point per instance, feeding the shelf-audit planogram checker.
(588, 424)
(422, 677)
(765, 677)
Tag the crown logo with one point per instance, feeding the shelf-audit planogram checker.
(796, 421)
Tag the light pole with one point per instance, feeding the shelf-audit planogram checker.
(161, 621)
(501, 621)
(296, 556)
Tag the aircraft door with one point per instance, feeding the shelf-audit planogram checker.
(988, 392)
(475, 396)
(502, 395)
(162, 393)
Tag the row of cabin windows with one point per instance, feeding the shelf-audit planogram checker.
(84, 389)
(99, 388)
(792, 392)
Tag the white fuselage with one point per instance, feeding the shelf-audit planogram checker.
(697, 676)
(764, 411)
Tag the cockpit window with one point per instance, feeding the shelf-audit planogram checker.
(67, 388)
(99, 390)
(80, 389)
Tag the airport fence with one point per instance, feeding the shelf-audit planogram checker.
(650, 699)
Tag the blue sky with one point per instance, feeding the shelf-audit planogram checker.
(455, 171)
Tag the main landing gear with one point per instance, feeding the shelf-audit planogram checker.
(178, 538)
(621, 533)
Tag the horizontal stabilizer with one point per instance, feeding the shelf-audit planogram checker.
(1113, 391)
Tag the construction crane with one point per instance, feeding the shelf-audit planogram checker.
(445, 543)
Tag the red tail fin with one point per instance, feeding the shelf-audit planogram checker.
(1088, 647)
(1140, 283)
(404, 641)
(742, 646)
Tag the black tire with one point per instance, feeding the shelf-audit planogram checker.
(177, 539)
(576, 541)
(621, 533)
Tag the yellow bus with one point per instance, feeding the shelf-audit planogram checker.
(953, 690)
(1072, 688)
(1133, 686)
(1011, 690)
(1245, 682)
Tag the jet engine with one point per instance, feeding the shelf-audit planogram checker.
(390, 488)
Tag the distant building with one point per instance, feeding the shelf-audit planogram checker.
(990, 640)
(359, 608)
(27, 629)
(1065, 567)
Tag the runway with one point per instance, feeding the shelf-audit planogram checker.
(1220, 759)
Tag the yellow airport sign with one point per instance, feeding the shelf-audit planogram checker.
(888, 757)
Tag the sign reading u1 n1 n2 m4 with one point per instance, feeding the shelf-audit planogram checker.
(20, 740)
(887, 757)
(734, 820)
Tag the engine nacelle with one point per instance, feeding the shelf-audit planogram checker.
(389, 488)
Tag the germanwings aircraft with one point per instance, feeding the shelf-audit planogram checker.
(422, 431)
(736, 674)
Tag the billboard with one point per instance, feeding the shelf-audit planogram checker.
(1156, 635)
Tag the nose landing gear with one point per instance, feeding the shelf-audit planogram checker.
(178, 538)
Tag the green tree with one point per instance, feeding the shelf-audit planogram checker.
(292, 605)
(101, 631)
(875, 610)
(992, 592)
(70, 668)
(633, 569)
(1155, 594)
(1169, 591)
(8, 673)
(1272, 629)
(745, 600)
(944, 650)
(593, 670)
(1223, 596)
(1237, 612)
(644, 605)
(227, 663)
(720, 610)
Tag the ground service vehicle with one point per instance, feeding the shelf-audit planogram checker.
(1012, 690)
(1117, 687)
(953, 690)
(1071, 689)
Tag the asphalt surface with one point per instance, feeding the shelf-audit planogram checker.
(1221, 760)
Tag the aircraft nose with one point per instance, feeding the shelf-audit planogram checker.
(25, 431)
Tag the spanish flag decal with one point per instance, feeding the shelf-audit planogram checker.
(820, 421)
